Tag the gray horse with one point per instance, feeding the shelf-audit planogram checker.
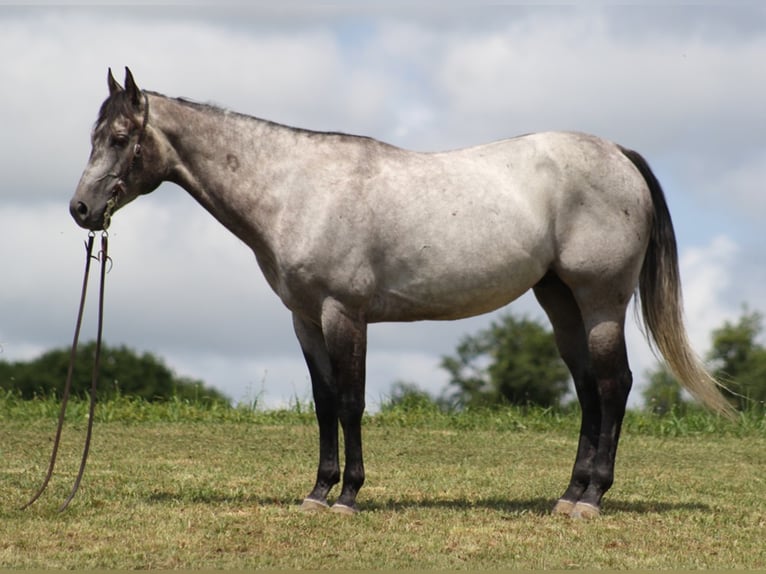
(350, 231)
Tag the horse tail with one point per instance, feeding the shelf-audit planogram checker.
(661, 301)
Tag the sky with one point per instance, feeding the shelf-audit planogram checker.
(681, 83)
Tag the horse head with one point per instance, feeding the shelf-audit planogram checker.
(126, 158)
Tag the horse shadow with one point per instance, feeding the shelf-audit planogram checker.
(538, 506)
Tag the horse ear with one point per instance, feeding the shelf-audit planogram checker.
(132, 88)
(114, 87)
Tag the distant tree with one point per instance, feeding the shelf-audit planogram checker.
(408, 396)
(663, 394)
(512, 361)
(123, 371)
(740, 360)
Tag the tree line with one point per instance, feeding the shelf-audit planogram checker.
(123, 372)
(513, 361)
(736, 358)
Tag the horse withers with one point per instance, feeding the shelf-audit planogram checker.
(350, 231)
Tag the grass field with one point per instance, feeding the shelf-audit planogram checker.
(185, 486)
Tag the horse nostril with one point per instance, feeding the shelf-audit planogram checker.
(82, 209)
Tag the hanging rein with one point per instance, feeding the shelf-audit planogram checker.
(103, 258)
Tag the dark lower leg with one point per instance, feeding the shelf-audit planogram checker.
(347, 343)
(588, 445)
(328, 472)
(614, 396)
(583, 467)
(613, 380)
(564, 313)
(351, 410)
(353, 472)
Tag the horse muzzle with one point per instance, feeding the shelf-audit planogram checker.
(84, 216)
(95, 217)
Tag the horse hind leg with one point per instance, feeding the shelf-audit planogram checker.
(592, 344)
(612, 379)
(559, 304)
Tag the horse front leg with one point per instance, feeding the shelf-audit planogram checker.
(346, 340)
(318, 362)
(335, 355)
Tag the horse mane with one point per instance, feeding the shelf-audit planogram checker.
(114, 107)
(213, 108)
(119, 105)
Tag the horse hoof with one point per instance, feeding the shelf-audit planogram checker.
(311, 505)
(563, 507)
(343, 509)
(585, 511)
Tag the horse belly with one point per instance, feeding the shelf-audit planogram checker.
(455, 290)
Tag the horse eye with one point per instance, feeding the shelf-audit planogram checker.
(119, 140)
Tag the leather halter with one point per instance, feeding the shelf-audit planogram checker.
(137, 152)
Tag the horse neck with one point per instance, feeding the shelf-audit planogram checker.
(223, 160)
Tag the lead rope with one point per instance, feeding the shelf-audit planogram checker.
(103, 257)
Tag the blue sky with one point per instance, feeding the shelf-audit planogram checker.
(680, 83)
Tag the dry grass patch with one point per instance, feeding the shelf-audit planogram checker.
(452, 495)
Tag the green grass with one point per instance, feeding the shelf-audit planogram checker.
(180, 485)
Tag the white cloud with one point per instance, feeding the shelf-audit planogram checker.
(707, 273)
(569, 70)
(743, 182)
